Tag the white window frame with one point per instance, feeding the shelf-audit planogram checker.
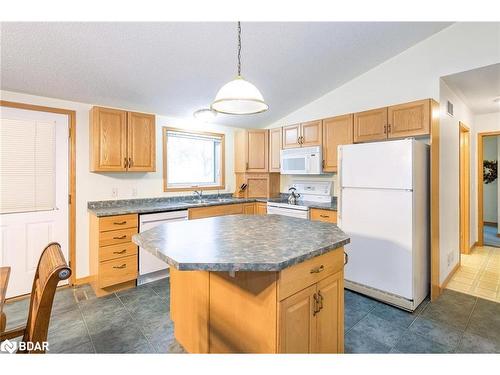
(219, 185)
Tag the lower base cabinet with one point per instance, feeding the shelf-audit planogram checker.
(297, 310)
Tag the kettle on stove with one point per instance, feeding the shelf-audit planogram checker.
(293, 197)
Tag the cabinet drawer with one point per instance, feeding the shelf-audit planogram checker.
(324, 215)
(117, 271)
(202, 212)
(116, 236)
(117, 251)
(117, 222)
(300, 276)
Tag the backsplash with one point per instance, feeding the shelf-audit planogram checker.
(287, 180)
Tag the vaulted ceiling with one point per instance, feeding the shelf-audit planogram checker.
(174, 69)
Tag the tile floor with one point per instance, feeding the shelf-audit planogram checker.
(479, 274)
(136, 321)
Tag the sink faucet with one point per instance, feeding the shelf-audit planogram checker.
(199, 194)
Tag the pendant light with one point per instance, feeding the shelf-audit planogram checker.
(239, 97)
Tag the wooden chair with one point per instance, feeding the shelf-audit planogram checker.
(51, 269)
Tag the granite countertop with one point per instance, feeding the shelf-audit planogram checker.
(165, 204)
(240, 242)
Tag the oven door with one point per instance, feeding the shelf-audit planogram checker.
(301, 214)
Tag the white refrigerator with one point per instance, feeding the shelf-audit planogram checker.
(384, 208)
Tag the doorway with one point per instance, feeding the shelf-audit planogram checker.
(37, 190)
(464, 190)
(488, 189)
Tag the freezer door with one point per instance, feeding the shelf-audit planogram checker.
(379, 223)
(377, 165)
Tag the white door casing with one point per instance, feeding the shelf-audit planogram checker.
(23, 235)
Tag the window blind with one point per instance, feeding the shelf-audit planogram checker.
(27, 166)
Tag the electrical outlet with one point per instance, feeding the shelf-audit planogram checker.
(134, 192)
(114, 192)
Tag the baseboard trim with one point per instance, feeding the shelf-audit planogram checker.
(83, 280)
(448, 278)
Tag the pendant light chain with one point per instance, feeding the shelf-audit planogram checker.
(239, 48)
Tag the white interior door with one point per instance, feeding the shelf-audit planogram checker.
(34, 159)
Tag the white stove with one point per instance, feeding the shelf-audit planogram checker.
(310, 191)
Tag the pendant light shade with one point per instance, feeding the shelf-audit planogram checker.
(239, 97)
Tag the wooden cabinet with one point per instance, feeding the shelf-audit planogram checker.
(113, 255)
(251, 150)
(249, 208)
(248, 312)
(108, 140)
(122, 141)
(275, 140)
(260, 208)
(336, 131)
(302, 135)
(397, 121)
(297, 323)
(226, 209)
(370, 125)
(141, 142)
(257, 185)
(409, 119)
(327, 216)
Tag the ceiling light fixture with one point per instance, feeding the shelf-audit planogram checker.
(239, 97)
(205, 114)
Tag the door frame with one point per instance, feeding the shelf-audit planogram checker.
(480, 223)
(464, 188)
(434, 200)
(72, 173)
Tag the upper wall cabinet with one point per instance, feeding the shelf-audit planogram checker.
(370, 125)
(409, 119)
(336, 131)
(302, 135)
(251, 150)
(397, 121)
(122, 141)
(274, 150)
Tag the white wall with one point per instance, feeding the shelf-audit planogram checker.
(449, 221)
(415, 74)
(98, 186)
(490, 191)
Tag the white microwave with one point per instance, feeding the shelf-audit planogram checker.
(302, 160)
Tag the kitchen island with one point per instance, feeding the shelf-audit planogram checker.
(253, 284)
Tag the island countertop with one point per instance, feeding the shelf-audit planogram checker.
(240, 242)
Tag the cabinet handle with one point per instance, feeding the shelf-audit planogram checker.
(120, 252)
(315, 307)
(325, 216)
(320, 296)
(120, 237)
(121, 267)
(247, 166)
(120, 222)
(388, 128)
(323, 164)
(130, 162)
(346, 258)
(125, 162)
(317, 269)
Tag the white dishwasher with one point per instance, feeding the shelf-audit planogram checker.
(150, 267)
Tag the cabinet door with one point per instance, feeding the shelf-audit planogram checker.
(336, 131)
(261, 208)
(249, 209)
(257, 150)
(257, 186)
(291, 136)
(370, 125)
(409, 119)
(330, 318)
(311, 133)
(108, 140)
(297, 328)
(274, 150)
(141, 142)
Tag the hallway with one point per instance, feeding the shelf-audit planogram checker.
(479, 274)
